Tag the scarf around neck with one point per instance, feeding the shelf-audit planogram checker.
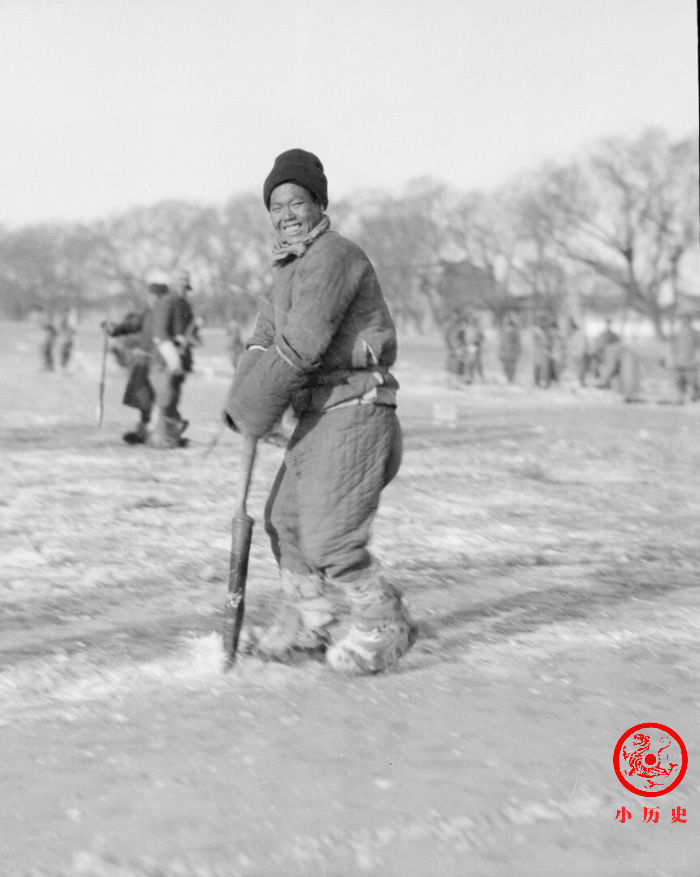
(283, 250)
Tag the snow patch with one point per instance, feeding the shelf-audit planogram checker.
(64, 681)
(206, 655)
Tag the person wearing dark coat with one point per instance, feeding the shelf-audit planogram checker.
(47, 345)
(138, 392)
(509, 348)
(67, 333)
(541, 353)
(685, 346)
(186, 325)
(457, 354)
(187, 337)
(606, 354)
(324, 343)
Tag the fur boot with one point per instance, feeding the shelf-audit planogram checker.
(138, 435)
(381, 630)
(165, 434)
(304, 615)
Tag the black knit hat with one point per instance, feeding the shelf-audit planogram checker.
(300, 167)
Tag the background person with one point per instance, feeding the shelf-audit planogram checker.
(577, 349)
(541, 353)
(187, 337)
(557, 351)
(509, 348)
(67, 330)
(138, 392)
(46, 346)
(457, 355)
(685, 346)
(475, 346)
(606, 354)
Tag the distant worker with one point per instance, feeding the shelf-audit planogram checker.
(187, 336)
(577, 349)
(685, 347)
(510, 348)
(629, 375)
(48, 340)
(542, 351)
(605, 354)
(557, 351)
(138, 393)
(456, 341)
(464, 345)
(68, 328)
(187, 325)
(621, 371)
(475, 349)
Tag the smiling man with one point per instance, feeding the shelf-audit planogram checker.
(293, 212)
(324, 344)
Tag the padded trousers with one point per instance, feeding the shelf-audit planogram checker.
(326, 493)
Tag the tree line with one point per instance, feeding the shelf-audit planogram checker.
(615, 228)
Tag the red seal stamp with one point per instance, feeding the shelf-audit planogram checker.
(650, 759)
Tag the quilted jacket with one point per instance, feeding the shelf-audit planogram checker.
(323, 339)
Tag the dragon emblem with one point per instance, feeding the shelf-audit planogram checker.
(647, 762)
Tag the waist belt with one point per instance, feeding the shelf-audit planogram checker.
(375, 396)
(318, 401)
(342, 375)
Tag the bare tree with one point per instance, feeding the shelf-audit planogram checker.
(629, 212)
(50, 267)
(624, 216)
(402, 238)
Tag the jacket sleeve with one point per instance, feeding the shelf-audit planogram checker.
(183, 317)
(264, 332)
(230, 414)
(328, 283)
(262, 388)
(132, 323)
(325, 289)
(164, 318)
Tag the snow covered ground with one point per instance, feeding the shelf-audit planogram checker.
(547, 543)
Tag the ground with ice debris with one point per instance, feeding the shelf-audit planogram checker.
(546, 541)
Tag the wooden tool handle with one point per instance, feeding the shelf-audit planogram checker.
(250, 447)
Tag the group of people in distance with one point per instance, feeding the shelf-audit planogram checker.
(163, 333)
(465, 342)
(605, 360)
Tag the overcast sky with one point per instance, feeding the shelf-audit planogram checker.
(106, 104)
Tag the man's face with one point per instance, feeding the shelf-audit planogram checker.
(293, 212)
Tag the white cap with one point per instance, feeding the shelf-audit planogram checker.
(158, 276)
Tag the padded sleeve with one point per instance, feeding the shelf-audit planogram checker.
(264, 331)
(328, 283)
(259, 396)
